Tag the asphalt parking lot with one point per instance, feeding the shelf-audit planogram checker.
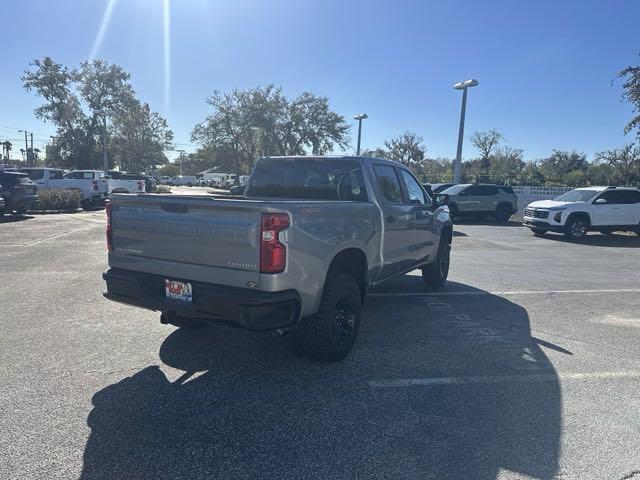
(525, 366)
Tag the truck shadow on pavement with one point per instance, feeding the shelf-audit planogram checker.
(437, 387)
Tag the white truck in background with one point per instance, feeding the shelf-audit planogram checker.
(90, 183)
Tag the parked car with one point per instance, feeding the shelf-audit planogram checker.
(90, 183)
(237, 190)
(184, 180)
(481, 200)
(2, 203)
(19, 193)
(440, 187)
(125, 182)
(297, 254)
(603, 209)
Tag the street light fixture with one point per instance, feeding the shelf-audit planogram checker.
(360, 117)
(457, 166)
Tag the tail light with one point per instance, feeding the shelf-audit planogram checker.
(273, 253)
(109, 230)
(95, 184)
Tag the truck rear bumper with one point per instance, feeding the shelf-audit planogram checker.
(242, 307)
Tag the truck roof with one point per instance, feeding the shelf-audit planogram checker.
(332, 157)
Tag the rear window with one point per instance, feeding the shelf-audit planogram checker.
(308, 179)
(14, 178)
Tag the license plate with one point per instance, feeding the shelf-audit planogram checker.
(178, 290)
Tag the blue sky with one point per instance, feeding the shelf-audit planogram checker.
(545, 67)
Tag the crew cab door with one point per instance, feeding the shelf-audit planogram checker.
(397, 219)
(609, 208)
(422, 236)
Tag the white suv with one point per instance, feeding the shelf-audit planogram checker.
(604, 209)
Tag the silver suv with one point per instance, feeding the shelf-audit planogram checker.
(481, 200)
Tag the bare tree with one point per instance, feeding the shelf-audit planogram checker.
(486, 142)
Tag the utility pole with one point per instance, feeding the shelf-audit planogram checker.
(181, 158)
(33, 155)
(105, 157)
(26, 147)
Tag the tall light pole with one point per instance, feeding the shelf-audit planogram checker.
(360, 117)
(457, 166)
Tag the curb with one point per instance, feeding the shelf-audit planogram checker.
(47, 212)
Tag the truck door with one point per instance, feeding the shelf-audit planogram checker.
(423, 235)
(397, 219)
(608, 208)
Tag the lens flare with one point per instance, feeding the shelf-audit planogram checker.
(167, 57)
(106, 19)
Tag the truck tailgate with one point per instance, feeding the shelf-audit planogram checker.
(197, 238)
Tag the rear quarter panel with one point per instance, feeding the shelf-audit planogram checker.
(319, 231)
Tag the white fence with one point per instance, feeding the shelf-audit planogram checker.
(527, 194)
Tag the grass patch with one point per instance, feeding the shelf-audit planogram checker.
(59, 200)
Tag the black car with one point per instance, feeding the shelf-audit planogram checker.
(18, 191)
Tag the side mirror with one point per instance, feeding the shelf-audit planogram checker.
(440, 201)
(600, 201)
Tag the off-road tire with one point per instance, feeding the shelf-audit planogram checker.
(435, 274)
(330, 334)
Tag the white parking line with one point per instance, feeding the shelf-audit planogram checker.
(536, 377)
(483, 292)
(44, 239)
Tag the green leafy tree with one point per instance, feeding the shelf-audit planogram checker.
(601, 174)
(625, 162)
(376, 153)
(262, 121)
(140, 138)
(560, 163)
(506, 164)
(408, 149)
(530, 175)
(168, 170)
(76, 101)
(631, 93)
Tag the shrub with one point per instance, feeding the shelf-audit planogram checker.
(59, 199)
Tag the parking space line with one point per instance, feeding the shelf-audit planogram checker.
(530, 378)
(49, 237)
(514, 292)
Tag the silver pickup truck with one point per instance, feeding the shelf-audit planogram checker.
(296, 253)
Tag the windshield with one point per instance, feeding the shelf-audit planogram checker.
(577, 196)
(456, 189)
